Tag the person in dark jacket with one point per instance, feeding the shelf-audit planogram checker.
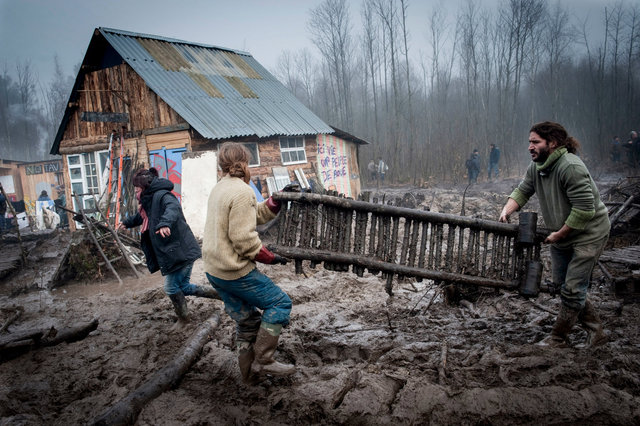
(473, 166)
(494, 158)
(166, 239)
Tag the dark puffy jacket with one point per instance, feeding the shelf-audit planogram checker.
(163, 209)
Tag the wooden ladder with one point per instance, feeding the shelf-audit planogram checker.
(103, 236)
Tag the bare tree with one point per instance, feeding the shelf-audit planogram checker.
(55, 97)
(330, 28)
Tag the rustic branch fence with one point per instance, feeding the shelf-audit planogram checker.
(408, 242)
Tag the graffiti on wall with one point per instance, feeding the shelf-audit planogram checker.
(38, 169)
(333, 164)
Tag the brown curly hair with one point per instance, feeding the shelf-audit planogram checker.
(233, 159)
(550, 131)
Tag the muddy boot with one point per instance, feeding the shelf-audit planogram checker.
(590, 321)
(264, 348)
(567, 318)
(180, 306)
(206, 291)
(246, 355)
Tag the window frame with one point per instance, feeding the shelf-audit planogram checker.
(87, 199)
(246, 145)
(289, 150)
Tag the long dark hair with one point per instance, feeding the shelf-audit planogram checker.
(143, 177)
(550, 131)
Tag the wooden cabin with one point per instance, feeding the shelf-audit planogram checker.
(171, 103)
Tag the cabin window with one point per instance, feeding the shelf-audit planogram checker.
(86, 175)
(292, 150)
(254, 155)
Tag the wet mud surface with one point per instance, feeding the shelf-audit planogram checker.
(362, 357)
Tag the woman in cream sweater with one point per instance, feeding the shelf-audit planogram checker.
(231, 248)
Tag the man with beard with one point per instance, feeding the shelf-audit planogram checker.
(571, 206)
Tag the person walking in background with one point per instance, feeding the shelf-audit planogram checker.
(571, 207)
(371, 167)
(635, 148)
(494, 158)
(473, 166)
(630, 148)
(615, 150)
(382, 170)
(231, 248)
(166, 240)
(3, 211)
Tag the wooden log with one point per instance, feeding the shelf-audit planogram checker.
(125, 411)
(392, 268)
(394, 211)
(11, 319)
(68, 334)
(621, 210)
(16, 344)
(23, 335)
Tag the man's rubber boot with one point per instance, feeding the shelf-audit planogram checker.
(206, 291)
(567, 318)
(246, 355)
(180, 306)
(264, 348)
(590, 321)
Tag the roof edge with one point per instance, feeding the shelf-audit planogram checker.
(169, 40)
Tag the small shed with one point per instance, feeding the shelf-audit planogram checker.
(170, 104)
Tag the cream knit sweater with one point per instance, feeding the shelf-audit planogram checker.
(231, 241)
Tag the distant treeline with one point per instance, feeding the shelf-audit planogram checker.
(482, 76)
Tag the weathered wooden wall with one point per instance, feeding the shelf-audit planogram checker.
(31, 178)
(116, 90)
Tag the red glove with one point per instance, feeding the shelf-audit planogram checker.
(267, 256)
(273, 205)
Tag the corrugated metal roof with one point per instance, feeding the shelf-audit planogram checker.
(220, 92)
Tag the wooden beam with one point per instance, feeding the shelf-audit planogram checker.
(393, 211)
(83, 148)
(370, 263)
(126, 411)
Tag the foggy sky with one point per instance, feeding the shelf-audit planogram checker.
(36, 30)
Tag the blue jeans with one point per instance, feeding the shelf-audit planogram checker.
(493, 167)
(571, 268)
(241, 297)
(179, 281)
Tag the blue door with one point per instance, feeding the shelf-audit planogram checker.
(168, 162)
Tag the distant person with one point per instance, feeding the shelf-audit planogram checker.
(473, 166)
(43, 202)
(382, 170)
(3, 211)
(494, 158)
(635, 147)
(61, 201)
(616, 147)
(371, 167)
(166, 240)
(579, 221)
(44, 196)
(630, 148)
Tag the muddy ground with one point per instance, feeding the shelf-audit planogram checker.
(362, 357)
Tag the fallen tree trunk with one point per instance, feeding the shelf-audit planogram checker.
(14, 345)
(126, 411)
